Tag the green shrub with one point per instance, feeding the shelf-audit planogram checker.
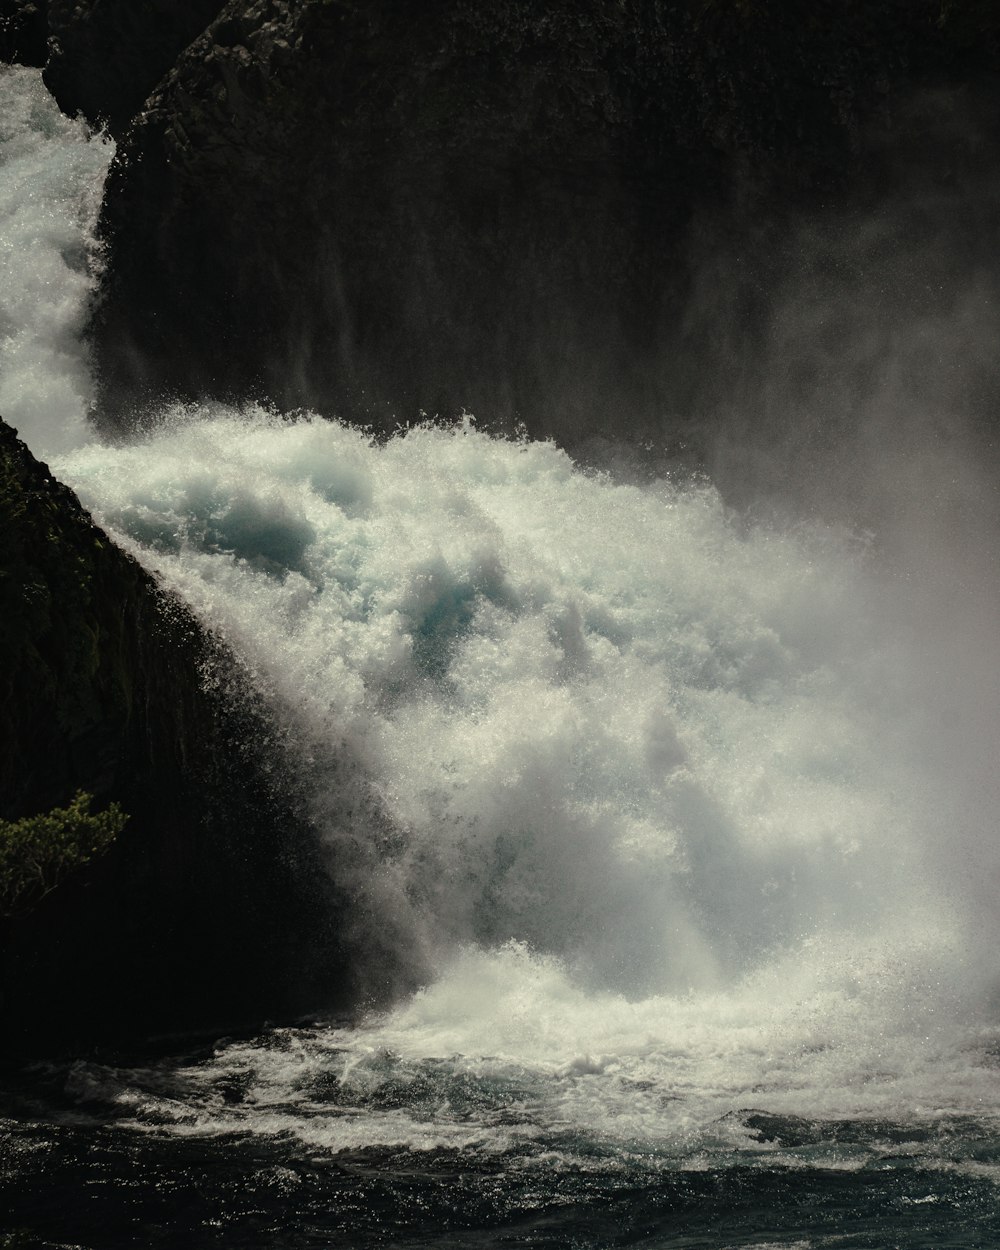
(39, 852)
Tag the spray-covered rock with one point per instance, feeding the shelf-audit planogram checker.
(108, 685)
(378, 209)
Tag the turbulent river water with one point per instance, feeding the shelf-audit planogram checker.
(683, 821)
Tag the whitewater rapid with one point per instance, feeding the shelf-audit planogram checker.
(643, 802)
(629, 785)
(589, 716)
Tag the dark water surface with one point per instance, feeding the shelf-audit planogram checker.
(99, 1158)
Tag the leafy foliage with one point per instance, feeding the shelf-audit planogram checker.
(38, 852)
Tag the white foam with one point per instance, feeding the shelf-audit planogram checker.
(634, 785)
(657, 804)
(52, 171)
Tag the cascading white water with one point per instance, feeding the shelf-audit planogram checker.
(639, 784)
(52, 171)
(652, 799)
(594, 718)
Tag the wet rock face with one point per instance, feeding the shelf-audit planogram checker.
(203, 914)
(374, 209)
(379, 208)
(24, 32)
(106, 56)
(79, 626)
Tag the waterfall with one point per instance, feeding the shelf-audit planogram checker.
(52, 172)
(646, 775)
(646, 811)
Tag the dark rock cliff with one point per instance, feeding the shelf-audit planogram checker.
(106, 56)
(581, 217)
(381, 208)
(213, 907)
(24, 30)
